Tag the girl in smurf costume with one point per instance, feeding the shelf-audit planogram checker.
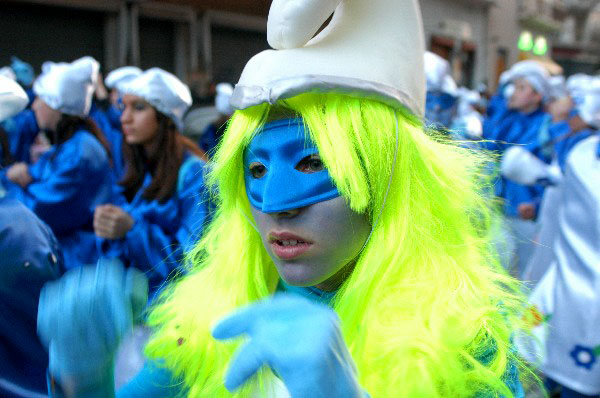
(349, 248)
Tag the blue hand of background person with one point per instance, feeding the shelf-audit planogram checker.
(300, 340)
(83, 316)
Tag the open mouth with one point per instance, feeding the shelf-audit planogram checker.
(287, 246)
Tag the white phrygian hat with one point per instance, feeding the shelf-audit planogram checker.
(13, 98)
(371, 49)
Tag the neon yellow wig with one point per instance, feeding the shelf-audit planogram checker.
(426, 300)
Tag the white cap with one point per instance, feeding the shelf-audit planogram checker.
(224, 92)
(121, 75)
(7, 71)
(438, 74)
(535, 74)
(370, 49)
(68, 87)
(558, 87)
(589, 106)
(577, 84)
(163, 91)
(13, 98)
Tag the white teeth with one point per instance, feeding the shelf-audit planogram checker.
(291, 242)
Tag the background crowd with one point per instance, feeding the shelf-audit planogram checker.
(98, 169)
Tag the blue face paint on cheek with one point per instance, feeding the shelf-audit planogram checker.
(280, 147)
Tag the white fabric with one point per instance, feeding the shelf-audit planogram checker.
(578, 83)
(521, 166)
(7, 71)
(224, 92)
(535, 74)
(13, 98)
(589, 105)
(68, 87)
(575, 293)
(121, 75)
(438, 75)
(163, 91)
(558, 87)
(369, 49)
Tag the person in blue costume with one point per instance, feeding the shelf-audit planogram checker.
(163, 206)
(25, 75)
(106, 112)
(29, 257)
(328, 183)
(524, 123)
(442, 94)
(66, 184)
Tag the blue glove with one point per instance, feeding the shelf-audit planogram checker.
(82, 318)
(299, 340)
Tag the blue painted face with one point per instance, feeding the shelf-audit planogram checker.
(283, 171)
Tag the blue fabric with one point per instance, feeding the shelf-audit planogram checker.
(22, 130)
(440, 109)
(516, 128)
(114, 136)
(210, 138)
(68, 183)
(30, 256)
(162, 231)
(280, 147)
(565, 392)
(562, 140)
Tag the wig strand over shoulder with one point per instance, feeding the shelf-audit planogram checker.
(427, 311)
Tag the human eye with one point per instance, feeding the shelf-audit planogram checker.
(310, 164)
(139, 106)
(257, 170)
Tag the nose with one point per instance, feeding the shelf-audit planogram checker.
(287, 213)
(125, 116)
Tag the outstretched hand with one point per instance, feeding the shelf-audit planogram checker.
(83, 316)
(300, 340)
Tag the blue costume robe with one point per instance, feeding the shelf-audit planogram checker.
(68, 183)
(22, 130)
(113, 135)
(163, 231)
(30, 256)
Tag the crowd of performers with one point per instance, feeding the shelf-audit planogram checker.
(341, 229)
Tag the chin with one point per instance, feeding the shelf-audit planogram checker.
(297, 275)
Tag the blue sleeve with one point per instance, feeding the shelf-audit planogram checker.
(152, 381)
(64, 198)
(158, 251)
(22, 130)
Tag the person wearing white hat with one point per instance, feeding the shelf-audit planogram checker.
(442, 92)
(344, 248)
(161, 209)
(106, 112)
(525, 123)
(212, 134)
(68, 181)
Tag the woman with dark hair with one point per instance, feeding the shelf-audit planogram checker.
(162, 209)
(67, 183)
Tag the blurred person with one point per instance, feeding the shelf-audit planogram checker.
(442, 94)
(106, 112)
(468, 123)
(212, 134)
(161, 210)
(566, 299)
(73, 177)
(12, 99)
(523, 124)
(336, 210)
(564, 136)
(25, 75)
(29, 257)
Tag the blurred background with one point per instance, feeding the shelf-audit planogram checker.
(211, 40)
